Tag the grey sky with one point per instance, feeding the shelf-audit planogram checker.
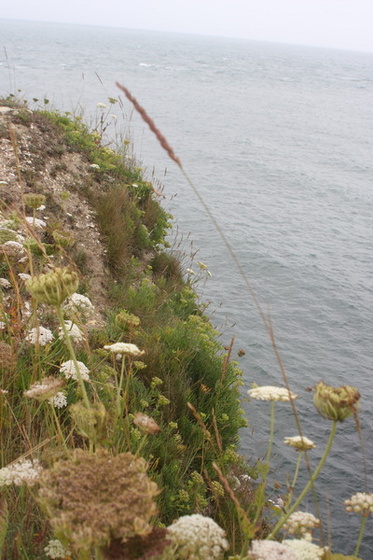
(346, 24)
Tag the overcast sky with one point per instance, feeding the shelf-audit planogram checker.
(345, 24)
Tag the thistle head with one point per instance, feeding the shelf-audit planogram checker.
(335, 403)
(54, 286)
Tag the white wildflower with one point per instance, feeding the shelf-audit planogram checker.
(24, 276)
(94, 166)
(4, 283)
(300, 523)
(269, 550)
(69, 370)
(73, 331)
(55, 549)
(23, 472)
(77, 303)
(59, 400)
(39, 335)
(300, 443)
(36, 222)
(271, 393)
(124, 348)
(101, 106)
(361, 502)
(304, 549)
(198, 538)
(13, 249)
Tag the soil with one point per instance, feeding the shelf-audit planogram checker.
(34, 159)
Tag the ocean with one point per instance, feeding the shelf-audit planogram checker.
(278, 141)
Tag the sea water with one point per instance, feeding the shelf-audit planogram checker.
(278, 141)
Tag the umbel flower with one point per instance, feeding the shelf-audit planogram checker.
(45, 389)
(93, 498)
(270, 550)
(22, 472)
(301, 523)
(300, 443)
(335, 403)
(69, 370)
(304, 549)
(196, 537)
(271, 393)
(361, 502)
(39, 335)
(55, 549)
(53, 287)
(124, 348)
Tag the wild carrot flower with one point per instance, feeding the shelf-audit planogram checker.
(269, 550)
(45, 389)
(55, 549)
(24, 276)
(361, 502)
(271, 393)
(59, 400)
(22, 472)
(335, 403)
(73, 331)
(54, 286)
(77, 303)
(197, 537)
(69, 370)
(4, 283)
(301, 523)
(300, 443)
(124, 348)
(146, 423)
(116, 500)
(39, 335)
(304, 549)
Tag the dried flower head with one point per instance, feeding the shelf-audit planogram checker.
(300, 443)
(45, 389)
(146, 423)
(69, 370)
(335, 403)
(124, 348)
(269, 550)
(197, 537)
(361, 502)
(92, 498)
(53, 287)
(301, 523)
(140, 547)
(39, 335)
(271, 393)
(304, 549)
(13, 249)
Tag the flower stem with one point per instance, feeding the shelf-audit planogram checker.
(361, 533)
(73, 356)
(296, 473)
(262, 487)
(309, 484)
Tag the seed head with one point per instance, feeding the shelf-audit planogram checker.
(53, 287)
(335, 403)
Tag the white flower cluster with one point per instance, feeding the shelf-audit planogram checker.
(198, 538)
(124, 348)
(301, 443)
(39, 335)
(59, 400)
(69, 370)
(55, 549)
(73, 331)
(300, 523)
(304, 550)
(270, 550)
(361, 502)
(22, 472)
(79, 304)
(271, 393)
(4, 283)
